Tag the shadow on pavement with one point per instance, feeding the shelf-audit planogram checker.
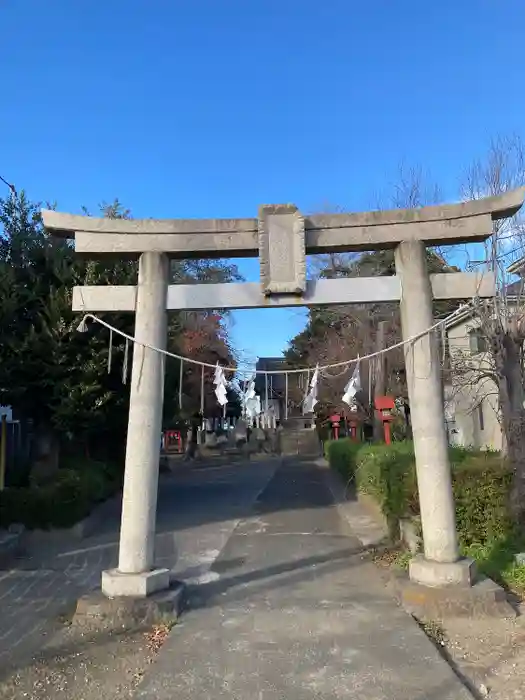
(204, 596)
(238, 587)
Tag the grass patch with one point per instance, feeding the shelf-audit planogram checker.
(403, 560)
(497, 561)
(395, 558)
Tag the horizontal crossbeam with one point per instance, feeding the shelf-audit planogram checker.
(354, 290)
(245, 244)
(208, 238)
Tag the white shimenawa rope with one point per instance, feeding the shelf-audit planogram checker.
(298, 370)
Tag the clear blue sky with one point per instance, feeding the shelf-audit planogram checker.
(202, 108)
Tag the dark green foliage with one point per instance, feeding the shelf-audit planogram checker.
(58, 378)
(50, 373)
(342, 456)
(480, 480)
(387, 475)
(61, 502)
(481, 485)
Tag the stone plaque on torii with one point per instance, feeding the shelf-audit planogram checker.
(281, 237)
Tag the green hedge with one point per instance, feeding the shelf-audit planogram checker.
(61, 502)
(480, 482)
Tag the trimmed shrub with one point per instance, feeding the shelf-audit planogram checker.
(341, 455)
(60, 503)
(481, 484)
(480, 480)
(387, 473)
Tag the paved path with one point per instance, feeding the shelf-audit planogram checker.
(294, 611)
(199, 507)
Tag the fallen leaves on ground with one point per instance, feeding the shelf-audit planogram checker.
(157, 636)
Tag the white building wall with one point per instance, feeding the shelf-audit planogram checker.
(472, 405)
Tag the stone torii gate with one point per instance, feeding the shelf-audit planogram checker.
(281, 237)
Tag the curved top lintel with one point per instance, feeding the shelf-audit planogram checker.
(499, 207)
(67, 225)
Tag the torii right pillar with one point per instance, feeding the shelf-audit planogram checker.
(441, 564)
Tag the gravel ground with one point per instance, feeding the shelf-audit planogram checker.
(490, 653)
(81, 666)
(487, 653)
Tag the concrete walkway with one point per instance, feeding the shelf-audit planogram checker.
(199, 507)
(292, 610)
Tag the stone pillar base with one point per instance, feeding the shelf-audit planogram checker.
(437, 574)
(116, 584)
(484, 599)
(95, 611)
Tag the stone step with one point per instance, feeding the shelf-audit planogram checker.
(300, 442)
(297, 423)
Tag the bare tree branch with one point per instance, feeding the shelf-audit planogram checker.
(500, 323)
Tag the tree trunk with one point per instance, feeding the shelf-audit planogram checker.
(509, 367)
(45, 453)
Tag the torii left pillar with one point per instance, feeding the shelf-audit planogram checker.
(136, 575)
